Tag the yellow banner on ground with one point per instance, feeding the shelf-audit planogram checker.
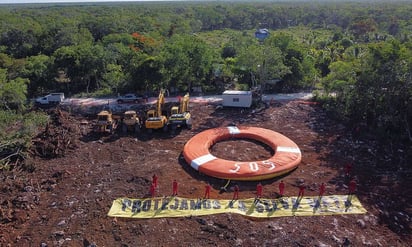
(160, 207)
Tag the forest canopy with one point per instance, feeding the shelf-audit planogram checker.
(120, 47)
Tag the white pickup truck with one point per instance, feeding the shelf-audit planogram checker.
(130, 98)
(50, 99)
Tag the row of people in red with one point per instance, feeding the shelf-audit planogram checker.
(322, 189)
(153, 187)
(259, 189)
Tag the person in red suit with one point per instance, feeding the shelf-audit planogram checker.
(322, 189)
(235, 192)
(259, 190)
(352, 189)
(207, 191)
(154, 180)
(301, 191)
(281, 188)
(174, 187)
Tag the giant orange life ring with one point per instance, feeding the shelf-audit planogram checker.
(287, 154)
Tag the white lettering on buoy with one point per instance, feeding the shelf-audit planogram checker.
(236, 169)
(268, 162)
(253, 166)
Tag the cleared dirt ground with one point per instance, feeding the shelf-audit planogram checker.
(63, 196)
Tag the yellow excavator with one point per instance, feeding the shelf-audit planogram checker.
(155, 119)
(180, 116)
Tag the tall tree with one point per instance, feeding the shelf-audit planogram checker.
(187, 61)
(12, 92)
(114, 78)
(84, 65)
(39, 70)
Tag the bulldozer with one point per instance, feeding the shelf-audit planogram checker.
(105, 122)
(180, 116)
(131, 122)
(155, 118)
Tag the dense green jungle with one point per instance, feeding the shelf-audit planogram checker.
(356, 57)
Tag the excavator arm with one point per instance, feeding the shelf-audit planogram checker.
(160, 102)
(184, 104)
(180, 114)
(155, 119)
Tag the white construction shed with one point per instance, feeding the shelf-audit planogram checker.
(235, 98)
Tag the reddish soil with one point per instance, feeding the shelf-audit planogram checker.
(63, 194)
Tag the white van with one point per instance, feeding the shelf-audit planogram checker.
(53, 98)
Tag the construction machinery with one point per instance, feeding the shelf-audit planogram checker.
(155, 118)
(180, 115)
(131, 122)
(105, 122)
